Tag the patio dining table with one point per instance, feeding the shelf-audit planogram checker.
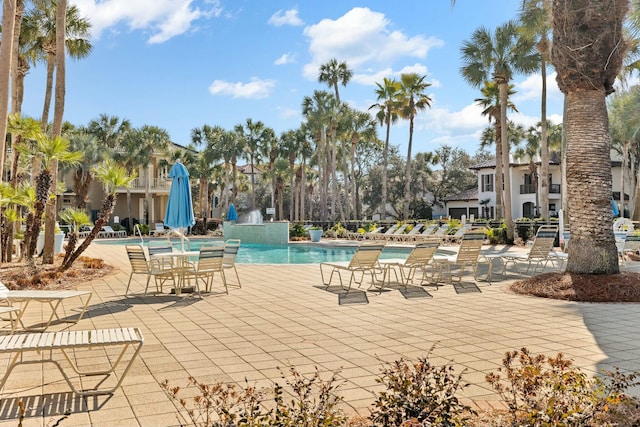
(180, 264)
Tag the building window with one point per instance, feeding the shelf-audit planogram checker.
(487, 182)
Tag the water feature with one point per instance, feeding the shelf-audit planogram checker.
(252, 229)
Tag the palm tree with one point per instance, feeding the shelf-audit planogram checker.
(387, 106)
(82, 173)
(498, 56)
(536, 24)
(50, 150)
(413, 100)
(361, 127)
(333, 73)
(76, 218)
(586, 77)
(490, 102)
(290, 143)
(47, 15)
(253, 135)
(112, 176)
(316, 111)
(6, 52)
(109, 130)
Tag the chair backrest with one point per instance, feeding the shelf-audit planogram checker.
(543, 243)
(422, 253)
(108, 229)
(231, 248)
(366, 256)
(137, 258)
(547, 231)
(159, 247)
(429, 230)
(211, 257)
(416, 229)
(391, 230)
(470, 246)
(632, 243)
(159, 226)
(442, 231)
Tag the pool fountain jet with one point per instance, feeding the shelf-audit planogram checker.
(252, 229)
(254, 217)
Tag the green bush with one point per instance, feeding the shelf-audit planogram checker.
(297, 231)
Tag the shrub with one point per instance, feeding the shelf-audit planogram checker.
(337, 230)
(421, 394)
(549, 391)
(311, 401)
(297, 231)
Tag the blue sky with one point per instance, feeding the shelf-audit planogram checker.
(179, 64)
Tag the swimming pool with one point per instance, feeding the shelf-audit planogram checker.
(298, 253)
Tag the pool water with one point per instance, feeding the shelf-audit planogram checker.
(298, 253)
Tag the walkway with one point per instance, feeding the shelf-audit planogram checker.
(282, 316)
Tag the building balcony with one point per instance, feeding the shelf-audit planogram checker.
(555, 188)
(527, 189)
(157, 185)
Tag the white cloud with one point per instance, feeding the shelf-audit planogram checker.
(255, 89)
(362, 38)
(284, 59)
(164, 19)
(287, 17)
(377, 75)
(530, 88)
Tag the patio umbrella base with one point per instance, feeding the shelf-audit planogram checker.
(185, 290)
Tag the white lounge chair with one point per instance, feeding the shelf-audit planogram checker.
(420, 259)
(364, 262)
(158, 230)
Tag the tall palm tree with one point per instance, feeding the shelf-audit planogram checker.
(413, 100)
(360, 127)
(387, 106)
(315, 109)
(6, 53)
(75, 39)
(490, 103)
(333, 73)
(586, 77)
(290, 144)
(498, 56)
(253, 135)
(535, 18)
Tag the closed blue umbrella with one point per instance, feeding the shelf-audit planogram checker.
(232, 214)
(614, 208)
(179, 207)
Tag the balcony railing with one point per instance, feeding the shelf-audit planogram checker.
(156, 184)
(527, 189)
(554, 188)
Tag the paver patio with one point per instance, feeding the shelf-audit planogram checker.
(283, 316)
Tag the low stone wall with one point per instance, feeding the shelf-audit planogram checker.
(267, 233)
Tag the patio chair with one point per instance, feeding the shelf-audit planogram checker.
(456, 237)
(140, 264)
(397, 235)
(210, 262)
(631, 245)
(468, 256)
(427, 232)
(231, 248)
(440, 233)
(538, 256)
(412, 235)
(372, 235)
(363, 263)
(420, 259)
(388, 232)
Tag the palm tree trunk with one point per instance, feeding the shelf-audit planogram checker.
(499, 187)
(407, 176)
(544, 146)
(592, 249)
(6, 50)
(503, 85)
(385, 161)
(16, 86)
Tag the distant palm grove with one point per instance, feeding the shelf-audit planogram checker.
(339, 164)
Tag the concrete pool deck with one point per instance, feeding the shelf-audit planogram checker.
(283, 316)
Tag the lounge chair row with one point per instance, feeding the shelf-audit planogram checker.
(420, 232)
